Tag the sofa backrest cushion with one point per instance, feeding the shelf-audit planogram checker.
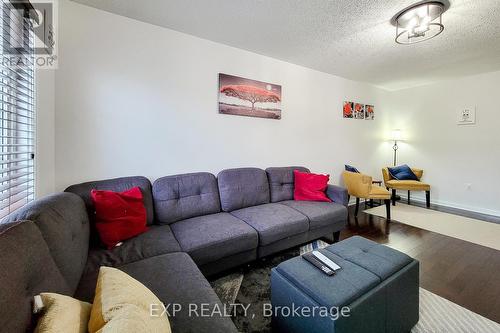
(64, 225)
(117, 185)
(184, 196)
(281, 182)
(26, 270)
(242, 187)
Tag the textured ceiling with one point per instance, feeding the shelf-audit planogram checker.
(349, 38)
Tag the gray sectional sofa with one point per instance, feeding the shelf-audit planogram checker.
(199, 225)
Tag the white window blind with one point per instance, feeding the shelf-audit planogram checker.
(17, 116)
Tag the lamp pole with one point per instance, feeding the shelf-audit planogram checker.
(395, 147)
(396, 136)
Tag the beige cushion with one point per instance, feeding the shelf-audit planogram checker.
(63, 314)
(378, 192)
(412, 185)
(122, 304)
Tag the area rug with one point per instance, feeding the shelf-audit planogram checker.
(464, 228)
(227, 287)
(437, 315)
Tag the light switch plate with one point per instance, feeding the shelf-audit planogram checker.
(467, 116)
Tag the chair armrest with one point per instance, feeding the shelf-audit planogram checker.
(358, 184)
(337, 194)
(386, 175)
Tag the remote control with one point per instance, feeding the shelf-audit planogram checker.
(313, 260)
(321, 257)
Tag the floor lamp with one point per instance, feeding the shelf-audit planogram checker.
(396, 135)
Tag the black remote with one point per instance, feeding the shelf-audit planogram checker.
(318, 264)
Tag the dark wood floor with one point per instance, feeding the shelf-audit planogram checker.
(464, 273)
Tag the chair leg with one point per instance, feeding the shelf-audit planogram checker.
(408, 197)
(388, 208)
(357, 207)
(428, 198)
(336, 236)
(394, 197)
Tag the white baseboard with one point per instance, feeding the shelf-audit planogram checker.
(484, 211)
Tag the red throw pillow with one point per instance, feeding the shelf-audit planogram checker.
(119, 215)
(310, 186)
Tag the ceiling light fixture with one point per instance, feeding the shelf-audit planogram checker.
(419, 22)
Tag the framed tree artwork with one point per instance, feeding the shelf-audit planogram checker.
(245, 97)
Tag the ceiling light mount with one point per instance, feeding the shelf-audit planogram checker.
(419, 22)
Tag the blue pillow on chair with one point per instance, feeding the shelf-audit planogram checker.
(402, 172)
(351, 168)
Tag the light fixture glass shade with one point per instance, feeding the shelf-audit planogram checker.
(397, 135)
(420, 22)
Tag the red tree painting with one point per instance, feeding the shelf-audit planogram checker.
(251, 94)
(245, 97)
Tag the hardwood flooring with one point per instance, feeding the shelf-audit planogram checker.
(464, 273)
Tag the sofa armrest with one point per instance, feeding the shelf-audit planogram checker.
(337, 194)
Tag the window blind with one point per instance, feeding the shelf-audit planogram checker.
(17, 116)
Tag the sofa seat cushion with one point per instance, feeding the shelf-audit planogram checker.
(412, 185)
(273, 221)
(212, 237)
(176, 280)
(320, 214)
(375, 258)
(157, 240)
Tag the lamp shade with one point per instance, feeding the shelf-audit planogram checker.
(397, 135)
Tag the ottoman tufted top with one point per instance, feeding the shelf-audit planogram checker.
(365, 264)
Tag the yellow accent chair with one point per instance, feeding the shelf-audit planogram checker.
(408, 185)
(361, 186)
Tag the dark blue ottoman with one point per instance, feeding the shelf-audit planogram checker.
(379, 286)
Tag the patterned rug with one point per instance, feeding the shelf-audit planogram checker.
(437, 315)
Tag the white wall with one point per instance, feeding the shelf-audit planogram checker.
(137, 99)
(453, 156)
